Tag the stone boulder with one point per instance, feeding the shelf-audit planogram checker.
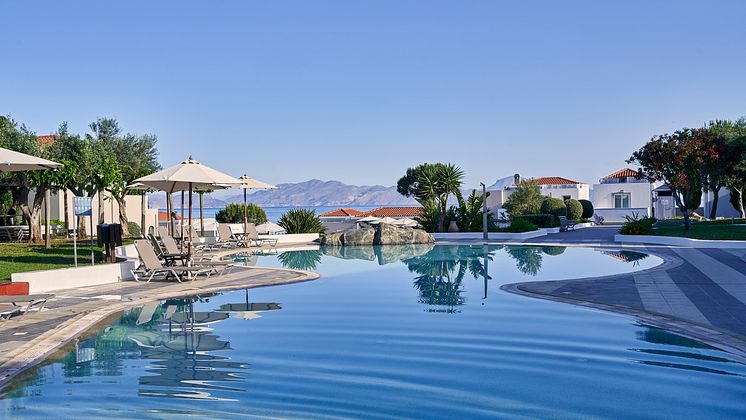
(393, 235)
(382, 234)
(355, 237)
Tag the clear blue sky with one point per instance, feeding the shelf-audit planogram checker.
(359, 90)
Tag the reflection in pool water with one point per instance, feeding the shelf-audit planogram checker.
(395, 331)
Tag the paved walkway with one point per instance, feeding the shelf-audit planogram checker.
(698, 292)
(31, 338)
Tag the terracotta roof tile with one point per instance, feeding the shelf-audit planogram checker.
(163, 216)
(623, 173)
(398, 211)
(343, 212)
(554, 180)
(48, 139)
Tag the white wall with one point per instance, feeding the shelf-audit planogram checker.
(603, 194)
(618, 215)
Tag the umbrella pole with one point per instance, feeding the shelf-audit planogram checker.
(245, 218)
(189, 249)
(169, 209)
(201, 216)
(181, 223)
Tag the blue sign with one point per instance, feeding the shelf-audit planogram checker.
(82, 206)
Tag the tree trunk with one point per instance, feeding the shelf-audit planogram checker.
(47, 212)
(737, 194)
(714, 208)
(122, 202)
(101, 215)
(682, 205)
(82, 231)
(35, 217)
(67, 213)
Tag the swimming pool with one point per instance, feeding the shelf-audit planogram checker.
(413, 331)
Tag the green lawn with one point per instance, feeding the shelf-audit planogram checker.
(21, 257)
(717, 229)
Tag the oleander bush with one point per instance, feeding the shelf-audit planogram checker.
(587, 209)
(574, 209)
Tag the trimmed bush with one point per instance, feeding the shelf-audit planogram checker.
(587, 209)
(233, 213)
(574, 209)
(540, 220)
(134, 228)
(520, 225)
(553, 206)
(301, 221)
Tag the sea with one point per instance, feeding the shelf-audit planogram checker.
(274, 213)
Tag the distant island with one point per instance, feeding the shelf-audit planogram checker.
(314, 192)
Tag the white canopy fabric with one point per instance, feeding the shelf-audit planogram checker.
(188, 175)
(249, 183)
(369, 219)
(12, 161)
(269, 227)
(405, 222)
(386, 220)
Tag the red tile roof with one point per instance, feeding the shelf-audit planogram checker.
(48, 139)
(399, 211)
(554, 180)
(623, 173)
(343, 212)
(163, 216)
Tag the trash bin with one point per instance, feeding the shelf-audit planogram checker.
(109, 236)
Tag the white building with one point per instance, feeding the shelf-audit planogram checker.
(623, 193)
(554, 186)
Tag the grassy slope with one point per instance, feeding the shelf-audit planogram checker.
(720, 229)
(21, 257)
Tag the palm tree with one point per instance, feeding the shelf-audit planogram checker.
(433, 183)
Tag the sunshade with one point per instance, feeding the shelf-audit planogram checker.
(249, 183)
(269, 227)
(369, 219)
(12, 161)
(188, 176)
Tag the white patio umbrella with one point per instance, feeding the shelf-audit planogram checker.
(369, 219)
(12, 161)
(269, 227)
(386, 220)
(188, 176)
(248, 183)
(405, 222)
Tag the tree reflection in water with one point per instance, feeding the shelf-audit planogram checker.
(441, 274)
(300, 260)
(528, 259)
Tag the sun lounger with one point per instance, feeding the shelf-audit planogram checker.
(566, 224)
(15, 305)
(598, 220)
(227, 239)
(253, 236)
(172, 251)
(151, 265)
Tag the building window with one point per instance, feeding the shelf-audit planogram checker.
(621, 200)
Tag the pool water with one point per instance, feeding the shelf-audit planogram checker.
(415, 332)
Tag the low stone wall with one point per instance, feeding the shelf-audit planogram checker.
(676, 241)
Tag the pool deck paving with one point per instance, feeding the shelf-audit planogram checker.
(32, 338)
(698, 292)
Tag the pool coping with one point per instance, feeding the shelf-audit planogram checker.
(722, 339)
(39, 349)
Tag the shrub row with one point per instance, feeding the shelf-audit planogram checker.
(642, 226)
(540, 220)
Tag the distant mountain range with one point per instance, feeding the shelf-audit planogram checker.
(309, 193)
